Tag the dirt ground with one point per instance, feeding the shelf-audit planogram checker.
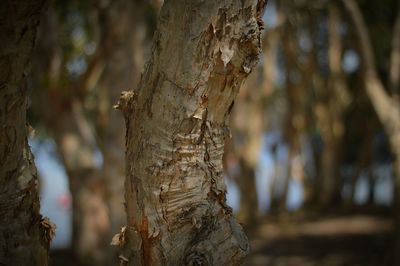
(342, 240)
(361, 239)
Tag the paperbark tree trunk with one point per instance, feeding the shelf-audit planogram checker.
(24, 235)
(176, 125)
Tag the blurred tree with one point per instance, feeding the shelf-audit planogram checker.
(87, 55)
(122, 71)
(176, 126)
(25, 234)
(242, 151)
(333, 102)
(295, 25)
(386, 106)
(297, 82)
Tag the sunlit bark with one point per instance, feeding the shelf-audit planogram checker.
(176, 126)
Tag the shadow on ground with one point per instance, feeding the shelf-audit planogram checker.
(354, 240)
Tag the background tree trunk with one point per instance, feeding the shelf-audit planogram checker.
(333, 101)
(82, 128)
(24, 235)
(76, 144)
(386, 107)
(245, 146)
(123, 69)
(176, 126)
(65, 119)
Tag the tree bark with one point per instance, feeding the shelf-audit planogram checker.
(176, 125)
(24, 235)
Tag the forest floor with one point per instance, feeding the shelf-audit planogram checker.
(352, 238)
(343, 239)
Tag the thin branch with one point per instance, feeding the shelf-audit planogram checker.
(386, 108)
(395, 56)
(363, 35)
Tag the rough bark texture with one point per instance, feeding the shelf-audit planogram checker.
(176, 125)
(24, 234)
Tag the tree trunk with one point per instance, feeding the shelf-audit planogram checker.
(77, 148)
(247, 133)
(65, 119)
(123, 69)
(97, 192)
(277, 185)
(333, 102)
(176, 126)
(248, 213)
(76, 145)
(396, 172)
(386, 107)
(24, 235)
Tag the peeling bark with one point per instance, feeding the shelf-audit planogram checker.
(24, 235)
(176, 125)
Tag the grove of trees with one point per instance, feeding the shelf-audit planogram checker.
(181, 98)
